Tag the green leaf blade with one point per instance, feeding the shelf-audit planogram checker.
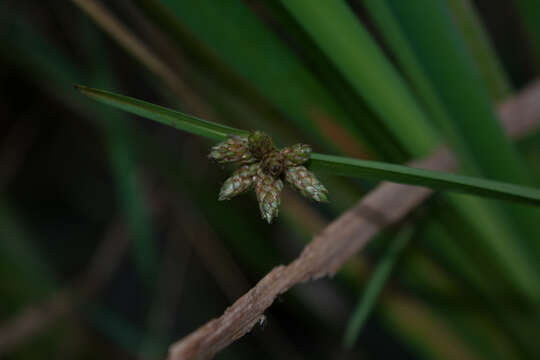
(161, 114)
(375, 285)
(345, 41)
(338, 165)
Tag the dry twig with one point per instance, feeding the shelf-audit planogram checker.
(328, 251)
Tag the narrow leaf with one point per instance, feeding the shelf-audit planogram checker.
(161, 114)
(336, 165)
(445, 58)
(346, 42)
(481, 48)
(375, 285)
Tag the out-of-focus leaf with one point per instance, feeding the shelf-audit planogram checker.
(255, 53)
(529, 11)
(375, 285)
(479, 44)
(344, 40)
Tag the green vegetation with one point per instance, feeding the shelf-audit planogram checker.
(370, 84)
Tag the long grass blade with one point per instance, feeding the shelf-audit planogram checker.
(434, 37)
(479, 44)
(400, 46)
(336, 165)
(269, 69)
(118, 134)
(375, 285)
(336, 30)
(161, 114)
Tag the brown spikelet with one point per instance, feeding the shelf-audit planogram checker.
(272, 163)
(306, 183)
(268, 190)
(234, 149)
(295, 155)
(260, 144)
(241, 180)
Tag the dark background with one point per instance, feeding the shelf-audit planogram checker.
(112, 241)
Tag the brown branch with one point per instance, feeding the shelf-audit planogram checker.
(328, 251)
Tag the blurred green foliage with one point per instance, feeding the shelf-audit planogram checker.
(386, 80)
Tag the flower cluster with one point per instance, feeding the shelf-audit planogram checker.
(263, 167)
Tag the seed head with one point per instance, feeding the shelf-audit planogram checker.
(295, 155)
(306, 183)
(272, 163)
(243, 179)
(260, 144)
(268, 189)
(263, 167)
(234, 149)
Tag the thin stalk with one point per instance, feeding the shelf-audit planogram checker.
(336, 165)
(479, 44)
(375, 285)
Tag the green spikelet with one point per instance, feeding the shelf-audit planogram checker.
(241, 180)
(268, 189)
(260, 144)
(295, 155)
(272, 163)
(306, 183)
(263, 168)
(234, 149)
